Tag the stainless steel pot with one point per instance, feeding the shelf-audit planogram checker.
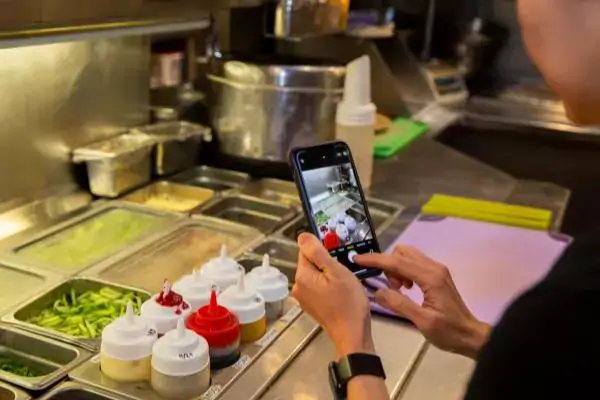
(262, 111)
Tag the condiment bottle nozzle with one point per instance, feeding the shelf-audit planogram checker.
(265, 261)
(223, 251)
(129, 315)
(241, 286)
(213, 306)
(180, 328)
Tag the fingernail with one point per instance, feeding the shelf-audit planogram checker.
(303, 238)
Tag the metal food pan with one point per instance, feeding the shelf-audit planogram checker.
(12, 255)
(274, 189)
(51, 358)
(264, 352)
(190, 197)
(250, 261)
(219, 180)
(278, 250)
(266, 216)
(21, 314)
(7, 392)
(179, 251)
(21, 284)
(72, 391)
(383, 214)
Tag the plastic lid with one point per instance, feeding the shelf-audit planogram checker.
(356, 108)
(222, 270)
(165, 308)
(195, 289)
(245, 302)
(180, 352)
(269, 281)
(129, 337)
(215, 323)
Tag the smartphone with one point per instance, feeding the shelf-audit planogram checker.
(334, 203)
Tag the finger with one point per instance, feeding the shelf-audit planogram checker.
(306, 271)
(314, 252)
(392, 265)
(395, 282)
(400, 304)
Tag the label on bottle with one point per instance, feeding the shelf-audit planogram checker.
(186, 356)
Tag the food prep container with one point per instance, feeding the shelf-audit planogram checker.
(89, 373)
(278, 250)
(177, 145)
(20, 315)
(7, 392)
(21, 284)
(116, 165)
(169, 196)
(71, 391)
(274, 189)
(263, 215)
(383, 213)
(87, 239)
(216, 179)
(179, 251)
(51, 359)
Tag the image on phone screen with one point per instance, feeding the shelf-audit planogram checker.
(335, 204)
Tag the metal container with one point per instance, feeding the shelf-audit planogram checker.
(21, 314)
(177, 145)
(219, 180)
(264, 215)
(178, 252)
(116, 165)
(7, 392)
(306, 18)
(261, 111)
(277, 249)
(52, 359)
(55, 241)
(274, 189)
(21, 285)
(383, 213)
(168, 196)
(72, 391)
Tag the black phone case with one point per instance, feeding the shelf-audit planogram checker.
(305, 201)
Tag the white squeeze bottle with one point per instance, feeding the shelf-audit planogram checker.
(355, 119)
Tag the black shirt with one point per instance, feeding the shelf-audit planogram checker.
(547, 344)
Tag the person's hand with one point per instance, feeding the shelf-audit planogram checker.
(443, 317)
(333, 296)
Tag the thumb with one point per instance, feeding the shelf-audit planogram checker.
(399, 303)
(314, 251)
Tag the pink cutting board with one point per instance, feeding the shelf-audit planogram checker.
(491, 264)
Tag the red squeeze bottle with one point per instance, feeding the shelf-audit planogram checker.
(221, 329)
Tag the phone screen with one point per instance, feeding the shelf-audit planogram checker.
(334, 203)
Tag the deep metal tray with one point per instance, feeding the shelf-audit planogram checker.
(10, 255)
(20, 314)
(216, 179)
(264, 215)
(89, 373)
(278, 250)
(185, 247)
(196, 196)
(53, 358)
(275, 190)
(383, 214)
(7, 392)
(21, 285)
(76, 391)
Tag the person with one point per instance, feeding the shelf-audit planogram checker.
(546, 344)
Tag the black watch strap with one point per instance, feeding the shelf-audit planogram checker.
(353, 365)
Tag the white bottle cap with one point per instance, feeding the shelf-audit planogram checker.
(245, 302)
(164, 318)
(180, 352)
(128, 338)
(195, 289)
(222, 270)
(269, 281)
(356, 108)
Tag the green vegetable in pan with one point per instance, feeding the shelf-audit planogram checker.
(15, 367)
(85, 315)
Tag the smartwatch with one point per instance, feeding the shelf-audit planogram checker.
(348, 367)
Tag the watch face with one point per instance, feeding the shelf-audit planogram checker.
(338, 388)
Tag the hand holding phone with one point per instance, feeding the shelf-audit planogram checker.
(334, 202)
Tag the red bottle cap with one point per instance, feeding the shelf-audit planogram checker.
(215, 323)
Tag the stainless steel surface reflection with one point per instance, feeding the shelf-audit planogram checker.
(8, 392)
(262, 111)
(398, 344)
(302, 18)
(70, 391)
